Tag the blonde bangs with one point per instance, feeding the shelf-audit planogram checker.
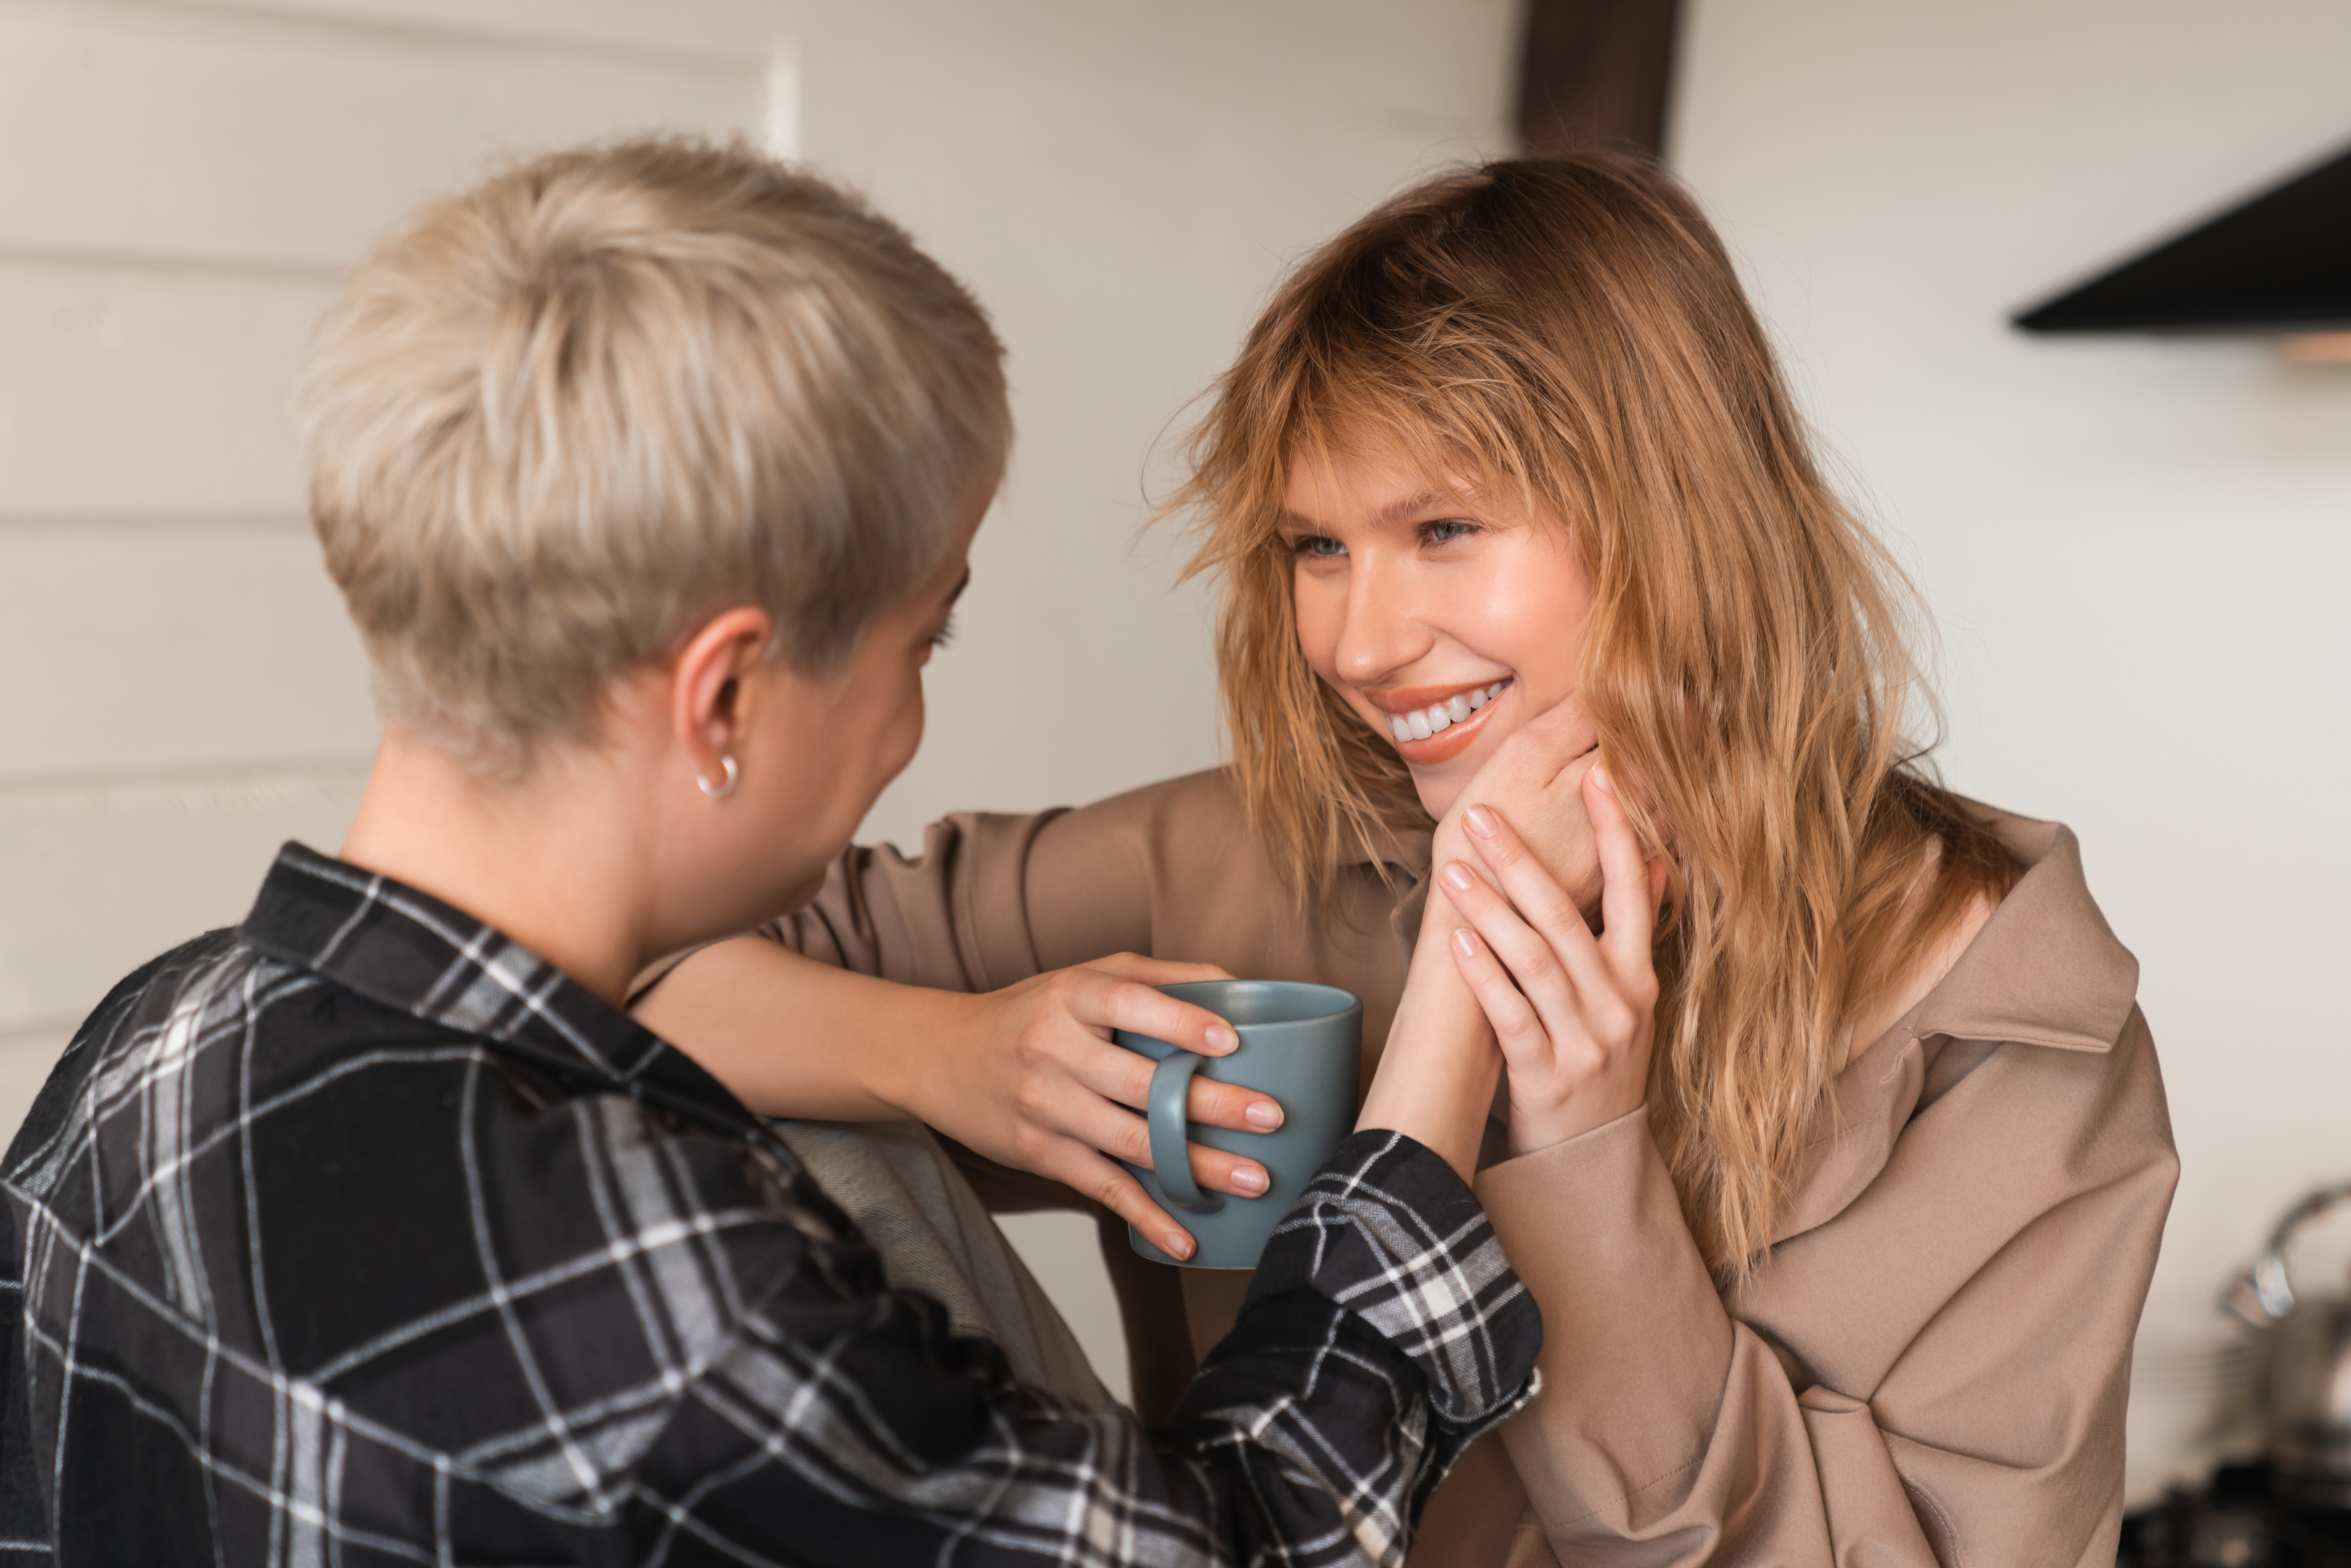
(1568, 336)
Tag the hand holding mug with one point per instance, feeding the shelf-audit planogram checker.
(1301, 1043)
(1035, 1083)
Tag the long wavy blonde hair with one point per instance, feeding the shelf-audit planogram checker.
(1569, 334)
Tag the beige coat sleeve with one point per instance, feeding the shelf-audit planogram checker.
(953, 918)
(967, 915)
(1935, 1374)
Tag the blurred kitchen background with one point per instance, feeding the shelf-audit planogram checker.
(2135, 547)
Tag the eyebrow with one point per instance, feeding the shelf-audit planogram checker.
(1388, 515)
(1427, 500)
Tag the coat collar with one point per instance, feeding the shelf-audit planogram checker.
(2045, 970)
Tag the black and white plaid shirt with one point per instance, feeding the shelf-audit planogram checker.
(358, 1235)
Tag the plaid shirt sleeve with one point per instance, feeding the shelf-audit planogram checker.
(362, 1236)
(1384, 1332)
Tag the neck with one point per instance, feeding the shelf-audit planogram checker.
(543, 861)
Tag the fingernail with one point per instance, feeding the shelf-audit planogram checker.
(1482, 822)
(1464, 942)
(1263, 1114)
(1222, 1038)
(1600, 777)
(1456, 876)
(1176, 1244)
(1249, 1179)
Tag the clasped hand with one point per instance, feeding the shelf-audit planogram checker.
(1573, 1013)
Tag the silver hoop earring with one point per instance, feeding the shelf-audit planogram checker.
(720, 791)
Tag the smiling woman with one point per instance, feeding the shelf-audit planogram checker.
(1833, 1147)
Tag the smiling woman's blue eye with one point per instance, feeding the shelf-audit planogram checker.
(1321, 545)
(1444, 530)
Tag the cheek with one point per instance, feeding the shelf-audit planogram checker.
(1320, 611)
(898, 730)
(1531, 617)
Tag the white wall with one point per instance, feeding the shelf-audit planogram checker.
(2137, 549)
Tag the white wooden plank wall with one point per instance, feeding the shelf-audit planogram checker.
(181, 184)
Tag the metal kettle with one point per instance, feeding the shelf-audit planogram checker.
(2305, 1379)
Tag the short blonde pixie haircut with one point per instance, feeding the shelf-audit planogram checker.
(555, 424)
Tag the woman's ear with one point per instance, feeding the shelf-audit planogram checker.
(708, 713)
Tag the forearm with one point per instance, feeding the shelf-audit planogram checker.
(1437, 1075)
(792, 1036)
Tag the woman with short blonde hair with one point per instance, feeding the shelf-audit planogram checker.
(1840, 1197)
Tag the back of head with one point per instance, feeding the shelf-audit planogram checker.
(1568, 337)
(556, 423)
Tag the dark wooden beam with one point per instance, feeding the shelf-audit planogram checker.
(1595, 74)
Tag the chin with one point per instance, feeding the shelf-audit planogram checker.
(1438, 788)
(801, 895)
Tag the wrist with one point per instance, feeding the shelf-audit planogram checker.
(1439, 1069)
(909, 1059)
(1529, 1134)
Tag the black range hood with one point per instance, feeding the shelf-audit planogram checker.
(2280, 263)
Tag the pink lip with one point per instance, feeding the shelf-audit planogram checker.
(1448, 743)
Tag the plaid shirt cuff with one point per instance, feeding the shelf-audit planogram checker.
(1387, 1232)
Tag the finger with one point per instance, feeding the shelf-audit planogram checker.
(1083, 1170)
(1517, 1028)
(1157, 971)
(1124, 1076)
(1529, 959)
(1539, 898)
(1233, 1106)
(1135, 1006)
(1628, 912)
(1123, 1135)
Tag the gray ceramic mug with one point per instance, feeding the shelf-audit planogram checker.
(1303, 1044)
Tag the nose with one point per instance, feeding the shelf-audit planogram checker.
(1383, 632)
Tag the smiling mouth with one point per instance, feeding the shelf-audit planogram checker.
(1420, 722)
(1434, 732)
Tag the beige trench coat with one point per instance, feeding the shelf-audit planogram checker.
(1930, 1369)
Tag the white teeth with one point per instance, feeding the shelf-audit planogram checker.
(1456, 709)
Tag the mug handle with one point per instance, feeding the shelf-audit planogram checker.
(1171, 1087)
